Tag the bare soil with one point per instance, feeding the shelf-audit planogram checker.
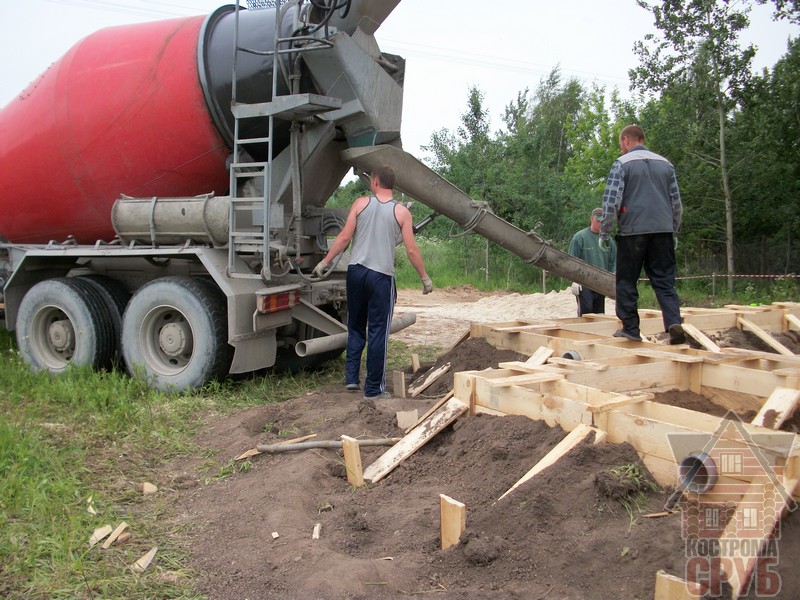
(566, 534)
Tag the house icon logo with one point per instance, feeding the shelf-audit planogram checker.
(734, 496)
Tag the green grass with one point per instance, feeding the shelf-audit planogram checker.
(86, 435)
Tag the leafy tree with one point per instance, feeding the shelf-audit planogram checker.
(785, 9)
(699, 48)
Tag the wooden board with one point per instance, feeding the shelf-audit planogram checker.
(572, 439)
(748, 325)
(432, 409)
(778, 408)
(700, 337)
(426, 380)
(418, 437)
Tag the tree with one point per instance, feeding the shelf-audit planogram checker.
(699, 49)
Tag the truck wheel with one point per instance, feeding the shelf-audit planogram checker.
(64, 322)
(175, 333)
(116, 297)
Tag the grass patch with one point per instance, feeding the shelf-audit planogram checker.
(86, 435)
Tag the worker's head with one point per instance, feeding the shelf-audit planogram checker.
(595, 218)
(383, 176)
(630, 136)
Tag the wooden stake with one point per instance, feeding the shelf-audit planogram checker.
(414, 363)
(453, 518)
(114, 535)
(140, 565)
(407, 418)
(352, 461)
(399, 380)
(99, 534)
(256, 451)
(316, 532)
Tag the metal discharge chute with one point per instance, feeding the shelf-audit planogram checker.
(420, 182)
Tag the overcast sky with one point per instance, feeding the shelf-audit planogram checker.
(449, 45)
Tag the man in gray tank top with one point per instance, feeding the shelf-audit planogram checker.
(642, 196)
(376, 224)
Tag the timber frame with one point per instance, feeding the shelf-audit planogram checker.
(584, 377)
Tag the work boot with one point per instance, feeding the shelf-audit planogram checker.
(676, 334)
(624, 333)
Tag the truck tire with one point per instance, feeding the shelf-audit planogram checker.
(175, 333)
(63, 322)
(116, 297)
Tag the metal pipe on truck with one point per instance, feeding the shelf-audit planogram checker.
(339, 340)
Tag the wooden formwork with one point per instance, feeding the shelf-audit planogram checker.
(592, 379)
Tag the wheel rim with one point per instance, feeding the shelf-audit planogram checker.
(166, 340)
(52, 336)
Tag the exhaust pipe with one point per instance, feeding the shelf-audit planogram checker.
(339, 340)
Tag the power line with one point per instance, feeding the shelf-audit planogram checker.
(494, 62)
(130, 9)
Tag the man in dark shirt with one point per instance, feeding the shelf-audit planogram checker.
(642, 196)
(584, 245)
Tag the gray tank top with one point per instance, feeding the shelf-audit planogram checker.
(376, 237)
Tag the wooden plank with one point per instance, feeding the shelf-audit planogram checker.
(778, 408)
(426, 380)
(700, 337)
(418, 437)
(572, 439)
(540, 356)
(399, 384)
(464, 337)
(739, 566)
(748, 325)
(529, 327)
(352, 461)
(792, 321)
(676, 355)
(670, 587)
(453, 520)
(619, 401)
(526, 379)
(433, 409)
(517, 400)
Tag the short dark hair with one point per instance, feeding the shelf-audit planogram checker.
(633, 132)
(385, 176)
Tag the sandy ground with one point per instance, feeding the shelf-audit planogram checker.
(444, 315)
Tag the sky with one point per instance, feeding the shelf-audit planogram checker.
(448, 45)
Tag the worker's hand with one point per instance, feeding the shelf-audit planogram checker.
(675, 241)
(319, 269)
(604, 243)
(575, 288)
(427, 285)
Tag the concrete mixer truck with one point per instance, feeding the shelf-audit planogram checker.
(163, 191)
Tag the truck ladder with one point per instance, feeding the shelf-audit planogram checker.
(249, 218)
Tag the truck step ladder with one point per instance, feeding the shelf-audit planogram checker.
(250, 218)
